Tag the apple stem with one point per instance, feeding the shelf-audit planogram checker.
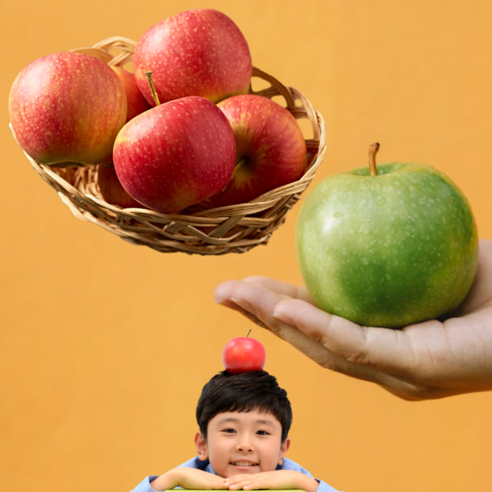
(237, 166)
(373, 150)
(248, 333)
(148, 74)
(241, 162)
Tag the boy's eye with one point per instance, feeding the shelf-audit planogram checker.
(229, 431)
(263, 433)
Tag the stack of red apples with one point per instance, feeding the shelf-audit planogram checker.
(180, 130)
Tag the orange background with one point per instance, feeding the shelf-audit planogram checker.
(105, 346)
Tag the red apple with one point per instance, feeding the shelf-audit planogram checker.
(67, 107)
(137, 104)
(270, 148)
(175, 154)
(243, 354)
(107, 179)
(111, 188)
(199, 52)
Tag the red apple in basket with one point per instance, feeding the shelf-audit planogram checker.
(199, 52)
(107, 179)
(67, 107)
(136, 103)
(243, 354)
(176, 154)
(111, 189)
(270, 148)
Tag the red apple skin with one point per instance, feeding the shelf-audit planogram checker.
(136, 103)
(270, 140)
(111, 189)
(199, 52)
(176, 154)
(107, 179)
(67, 107)
(243, 354)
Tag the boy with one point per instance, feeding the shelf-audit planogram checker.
(244, 421)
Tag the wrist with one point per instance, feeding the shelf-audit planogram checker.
(167, 481)
(306, 483)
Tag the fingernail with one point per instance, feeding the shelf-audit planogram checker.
(219, 293)
(285, 318)
(218, 299)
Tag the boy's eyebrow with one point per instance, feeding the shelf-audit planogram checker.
(224, 420)
(265, 422)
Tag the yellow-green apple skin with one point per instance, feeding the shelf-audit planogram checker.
(176, 154)
(270, 148)
(199, 52)
(388, 250)
(67, 107)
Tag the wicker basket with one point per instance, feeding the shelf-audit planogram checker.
(197, 230)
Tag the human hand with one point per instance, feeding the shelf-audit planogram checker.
(426, 360)
(275, 480)
(188, 478)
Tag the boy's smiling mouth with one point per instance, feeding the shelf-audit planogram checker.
(243, 463)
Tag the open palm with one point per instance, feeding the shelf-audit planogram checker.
(426, 360)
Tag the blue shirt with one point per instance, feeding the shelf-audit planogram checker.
(144, 485)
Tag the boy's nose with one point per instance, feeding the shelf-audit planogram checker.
(245, 447)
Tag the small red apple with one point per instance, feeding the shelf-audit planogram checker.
(243, 354)
(270, 148)
(199, 52)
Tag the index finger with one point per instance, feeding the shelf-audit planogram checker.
(225, 291)
(282, 288)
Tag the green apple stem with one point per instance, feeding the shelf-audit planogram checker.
(148, 74)
(248, 333)
(373, 150)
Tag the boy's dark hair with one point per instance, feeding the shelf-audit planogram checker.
(256, 390)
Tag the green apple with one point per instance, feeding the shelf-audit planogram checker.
(388, 247)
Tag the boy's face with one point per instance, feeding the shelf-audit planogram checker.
(245, 442)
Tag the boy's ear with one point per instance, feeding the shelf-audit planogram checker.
(284, 447)
(201, 446)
